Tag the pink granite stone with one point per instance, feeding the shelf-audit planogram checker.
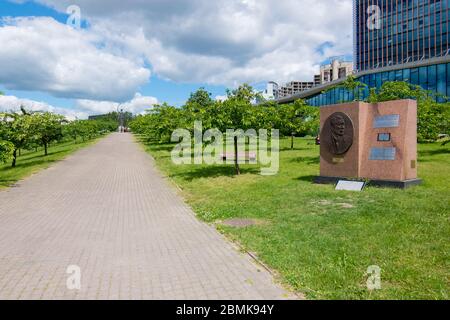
(356, 163)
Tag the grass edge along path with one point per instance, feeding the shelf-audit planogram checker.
(322, 241)
(31, 162)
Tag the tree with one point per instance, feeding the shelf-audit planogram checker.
(432, 116)
(47, 128)
(6, 147)
(235, 113)
(353, 86)
(201, 97)
(397, 90)
(298, 118)
(17, 130)
(309, 119)
(289, 121)
(6, 150)
(72, 130)
(267, 115)
(161, 121)
(199, 107)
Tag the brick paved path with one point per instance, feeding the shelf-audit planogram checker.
(107, 210)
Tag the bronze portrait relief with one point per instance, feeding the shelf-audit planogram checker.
(337, 134)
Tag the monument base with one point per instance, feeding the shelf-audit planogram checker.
(373, 183)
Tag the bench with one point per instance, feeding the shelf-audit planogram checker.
(248, 156)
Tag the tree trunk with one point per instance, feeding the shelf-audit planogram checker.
(46, 148)
(292, 141)
(14, 158)
(236, 156)
(20, 152)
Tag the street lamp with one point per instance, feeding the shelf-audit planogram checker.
(120, 116)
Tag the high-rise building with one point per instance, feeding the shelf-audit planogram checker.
(391, 32)
(394, 40)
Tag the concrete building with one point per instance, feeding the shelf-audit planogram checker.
(294, 87)
(317, 79)
(271, 92)
(394, 40)
(336, 69)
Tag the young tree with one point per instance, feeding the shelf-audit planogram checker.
(72, 130)
(17, 130)
(432, 116)
(6, 150)
(298, 118)
(6, 147)
(199, 107)
(309, 118)
(353, 86)
(235, 113)
(47, 128)
(397, 90)
(289, 121)
(164, 120)
(267, 116)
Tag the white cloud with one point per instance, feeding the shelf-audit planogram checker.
(13, 103)
(221, 98)
(83, 109)
(137, 105)
(222, 41)
(41, 54)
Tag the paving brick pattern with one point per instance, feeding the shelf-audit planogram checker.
(107, 210)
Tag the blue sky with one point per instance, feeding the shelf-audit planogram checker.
(140, 53)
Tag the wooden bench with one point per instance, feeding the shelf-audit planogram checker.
(248, 156)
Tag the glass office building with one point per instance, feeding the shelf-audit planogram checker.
(394, 40)
(391, 32)
(435, 77)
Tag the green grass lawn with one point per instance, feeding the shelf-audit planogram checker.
(321, 241)
(32, 162)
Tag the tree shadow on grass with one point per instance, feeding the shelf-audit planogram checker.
(429, 153)
(25, 158)
(307, 160)
(27, 164)
(295, 149)
(427, 156)
(161, 147)
(308, 178)
(214, 172)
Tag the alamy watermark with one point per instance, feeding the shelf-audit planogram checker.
(74, 19)
(215, 147)
(374, 278)
(374, 19)
(73, 281)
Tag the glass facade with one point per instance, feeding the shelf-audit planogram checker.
(432, 77)
(390, 32)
